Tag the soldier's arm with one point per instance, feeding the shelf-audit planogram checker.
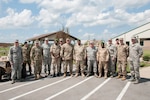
(10, 55)
(32, 54)
(97, 55)
(21, 55)
(107, 56)
(127, 50)
(115, 52)
(140, 50)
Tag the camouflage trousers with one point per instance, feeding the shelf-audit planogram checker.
(80, 66)
(122, 65)
(111, 66)
(134, 68)
(66, 63)
(101, 65)
(37, 67)
(16, 70)
(56, 65)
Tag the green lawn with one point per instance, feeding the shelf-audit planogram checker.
(4, 51)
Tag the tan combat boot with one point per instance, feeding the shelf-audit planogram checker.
(95, 75)
(119, 76)
(64, 75)
(105, 76)
(123, 78)
(76, 75)
(82, 74)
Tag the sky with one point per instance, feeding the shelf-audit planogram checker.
(85, 19)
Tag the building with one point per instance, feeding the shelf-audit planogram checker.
(52, 36)
(142, 33)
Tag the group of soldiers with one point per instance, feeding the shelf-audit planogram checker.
(98, 60)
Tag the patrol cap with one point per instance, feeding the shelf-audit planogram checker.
(56, 40)
(46, 39)
(133, 37)
(121, 39)
(16, 41)
(110, 40)
(91, 42)
(61, 39)
(25, 42)
(36, 41)
(67, 39)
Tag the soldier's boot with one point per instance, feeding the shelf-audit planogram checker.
(64, 74)
(54, 74)
(105, 75)
(49, 72)
(119, 76)
(123, 78)
(35, 77)
(95, 74)
(100, 75)
(136, 81)
(13, 81)
(76, 75)
(71, 74)
(132, 78)
(82, 74)
(88, 74)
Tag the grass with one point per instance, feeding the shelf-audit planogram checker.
(4, 51)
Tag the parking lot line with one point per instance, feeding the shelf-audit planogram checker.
(18, 86)
(123, 91)
(39, 88)
(93, 91)
(53, 96)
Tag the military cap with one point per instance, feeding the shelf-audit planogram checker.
(46, 39)
(16, 40)
(133, 37)
(121, 39)
(37, 41)
(67, 38)
(91, 42)
(61, 39)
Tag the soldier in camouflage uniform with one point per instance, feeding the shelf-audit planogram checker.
(79, 54)
(113, 53)
(103, 58)
(61, 42)
(135, 52)
(122, 54)
(46, 57)
(91, 53)
(26, 59)
(55, 54)
(67, 56)
(16, 60)
(36, 56)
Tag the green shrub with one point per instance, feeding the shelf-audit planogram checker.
(146, 57)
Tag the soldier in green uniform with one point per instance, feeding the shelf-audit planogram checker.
(36, 56)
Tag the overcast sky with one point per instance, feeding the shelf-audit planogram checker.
(86, 19)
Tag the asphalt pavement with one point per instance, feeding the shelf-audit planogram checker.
(77, 88)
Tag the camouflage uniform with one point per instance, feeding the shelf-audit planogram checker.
(135, 52)
(79, 57)
(122, 54)
(61, 61)
(103, 58)
(67, 57)
(55, 54)
(46, 57)
(16, 59)
(26, 58)
(36, 58)
(91, 53)
(113, 53)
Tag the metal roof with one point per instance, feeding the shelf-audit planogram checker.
(52, 36)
